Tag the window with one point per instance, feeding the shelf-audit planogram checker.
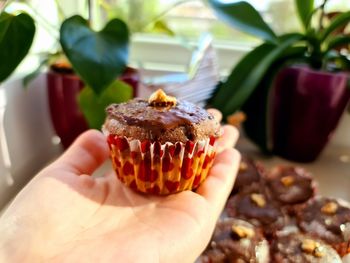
(193, 17)
(186, 19)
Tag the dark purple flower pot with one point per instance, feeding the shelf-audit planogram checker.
(306, 108)
(63, 89)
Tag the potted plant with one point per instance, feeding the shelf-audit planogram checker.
(90, 76)
(89, 70)
(293, 87)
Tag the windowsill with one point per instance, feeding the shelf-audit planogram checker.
(171, 54)
(162, 54)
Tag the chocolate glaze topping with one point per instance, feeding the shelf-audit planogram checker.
(324, 218)
(300, 248)
(227, 246)
(248, 173)
(254, 205)
(245, 207)
(139, 112)
(157, 119)
(290, 185)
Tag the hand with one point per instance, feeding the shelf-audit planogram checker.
(66, 215)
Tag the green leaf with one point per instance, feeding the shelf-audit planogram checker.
(16, 37)
(94, 106)
(258, 124)
(98, 57)
(238, 76)
(337, 22)
(244, 17)
(246, 76)
(338, 41)
(336, 61)
(305, 9)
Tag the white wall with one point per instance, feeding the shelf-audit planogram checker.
(28, 133)
(341, 135)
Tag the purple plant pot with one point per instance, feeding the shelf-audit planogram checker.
(306, 108)
(63, 89)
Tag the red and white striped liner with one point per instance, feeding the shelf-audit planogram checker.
(161, 169)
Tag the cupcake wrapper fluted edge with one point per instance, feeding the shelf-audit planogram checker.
(161, 169)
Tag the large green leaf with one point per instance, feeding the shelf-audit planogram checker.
(338, 41)
(231, 85)
(16, 37)
(244, 17)
(257, 108)
(246, 76)
(338, 22)
(94, 107)
(305, 9)
(98, 57)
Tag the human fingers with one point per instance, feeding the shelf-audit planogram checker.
(85, 155)
(228, 139)
(216, 113)
(217, 187)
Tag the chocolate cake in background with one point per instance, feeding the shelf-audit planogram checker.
(299, 248)
(254, 204)
(290, 185)
(236, 241)
(248, 174)
(282, 204)
(327, 219)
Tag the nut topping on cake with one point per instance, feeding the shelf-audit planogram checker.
(160, 99)
(329, 208)
(258, 199)
(243, 166)
(287, 180)
(242, 231)
(312, 247)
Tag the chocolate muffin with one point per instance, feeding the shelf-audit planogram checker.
(299, 248)
(290, 185)
(327, 219)
(255, 205)
(161, 145)
(248, 174)
(236, 241)
(162, 118)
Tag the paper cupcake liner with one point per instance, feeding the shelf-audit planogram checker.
(161, 169)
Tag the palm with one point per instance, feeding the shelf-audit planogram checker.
(90, 218)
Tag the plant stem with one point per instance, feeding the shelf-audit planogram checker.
(322, 7)
(60, 10)
(166, 11)
(89, 3)
(105, 6)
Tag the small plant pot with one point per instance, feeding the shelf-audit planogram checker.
(63, 89)
(306, 107)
